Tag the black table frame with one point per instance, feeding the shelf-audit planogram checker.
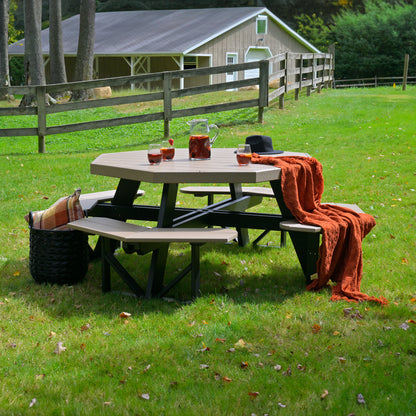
(229, 212)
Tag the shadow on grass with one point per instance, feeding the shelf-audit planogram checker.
(222, 273)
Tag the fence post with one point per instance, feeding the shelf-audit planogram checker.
(41, 109)
(263, 88)
(405, 71)
(298, 64)
(167, 103)
(282, 83)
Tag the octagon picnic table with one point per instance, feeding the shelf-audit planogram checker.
(132, 168)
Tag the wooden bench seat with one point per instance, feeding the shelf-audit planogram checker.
(293, 225)
(90, 200)
(307, 238)
(110, 229)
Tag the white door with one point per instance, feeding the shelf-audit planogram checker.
(255, 54)
(231, 58)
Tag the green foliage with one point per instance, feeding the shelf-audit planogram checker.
(156, 363)
(374, 43)
(14, 33)
(314, 30)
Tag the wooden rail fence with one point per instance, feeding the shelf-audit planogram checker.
(276, 77)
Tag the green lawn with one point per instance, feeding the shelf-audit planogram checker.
(256, 342)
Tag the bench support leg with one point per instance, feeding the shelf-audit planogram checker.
(193, 268)
(265, 232)
(107, 260)
(307, 249)
(196, 272)
(237, 192)
(105, 265)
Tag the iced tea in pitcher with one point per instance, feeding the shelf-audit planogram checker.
(199, 147)
(200, 141)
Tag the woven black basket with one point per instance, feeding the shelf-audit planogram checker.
(58, 256)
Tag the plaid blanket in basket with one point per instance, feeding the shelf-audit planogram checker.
(64, 210)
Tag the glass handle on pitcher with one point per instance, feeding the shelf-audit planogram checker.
(215, 127)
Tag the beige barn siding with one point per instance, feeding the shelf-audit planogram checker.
(239, 39)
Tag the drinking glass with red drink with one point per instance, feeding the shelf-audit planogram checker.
(168, 151)
(154, 154)
(243, 154)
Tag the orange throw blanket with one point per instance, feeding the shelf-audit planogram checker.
(340, 254)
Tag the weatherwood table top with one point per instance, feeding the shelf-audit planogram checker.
(222, 167)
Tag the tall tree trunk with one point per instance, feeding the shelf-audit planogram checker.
(56, 52)
(4, 55)
(85, 53)
(34, 68)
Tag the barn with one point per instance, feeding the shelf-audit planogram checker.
(146, 41)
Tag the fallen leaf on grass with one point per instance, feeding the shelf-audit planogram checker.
(203, 366)
(220, 340)
(147, 368)
(288, 372)
(32, 402)
(281, 405)
(353, 314)
(124, 315)
(253, 394)
(85, 327)
(277, 367)
(316, 328)
(324, 394)
(360, 399)
(83, 346)
(241, 344)
(40, 376)
(342, 360)
(244, 365)
(227, 379)
(404, 326)
(231, 350)
(145, 396)
(59, 348)
(205, 348)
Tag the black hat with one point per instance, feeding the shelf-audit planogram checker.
(262, 145)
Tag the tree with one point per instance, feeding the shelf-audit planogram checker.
(84, 64)
(34, 68)
(56, 52)
(374, 43)
(4, 56)
(314, 30)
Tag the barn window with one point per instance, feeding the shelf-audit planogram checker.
(261, 23)
(189, 62)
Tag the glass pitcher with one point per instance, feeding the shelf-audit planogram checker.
(199, 140)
